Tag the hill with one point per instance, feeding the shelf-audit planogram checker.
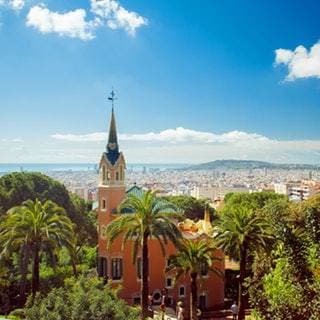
(249, 164)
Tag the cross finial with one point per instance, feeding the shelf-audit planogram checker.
(112, 97)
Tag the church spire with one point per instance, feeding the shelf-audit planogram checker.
(112, 145)
(113, 138)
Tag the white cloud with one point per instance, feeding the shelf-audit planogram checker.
(71, 24)
(168, 146)
(301, 63)
(97, 136)
(16, 5)
(186, 146)
(116, 16)
(173, 136)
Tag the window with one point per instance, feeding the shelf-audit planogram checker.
(117, 175)
(139, 267)
(116, 265)
(136, 300)
(169, 301)
(103, 205)
(203, 302)
(204, 269)
(102, 266)
(169, 282)
(121, 173)
(182, 291)
(103, 173)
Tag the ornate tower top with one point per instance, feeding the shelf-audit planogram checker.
(112, 145)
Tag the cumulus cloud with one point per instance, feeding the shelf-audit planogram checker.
(97, 136)
(16, 5)
(168, 146)
(300, 62)
(173, 136)
(115, 16)
(71, 24)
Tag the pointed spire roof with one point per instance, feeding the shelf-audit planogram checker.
(112, 145)
(113, 138)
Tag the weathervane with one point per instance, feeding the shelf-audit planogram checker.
(112, 97)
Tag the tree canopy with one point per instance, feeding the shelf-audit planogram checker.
(191, 207)
(17, 187)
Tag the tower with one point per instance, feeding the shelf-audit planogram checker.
(111, 181)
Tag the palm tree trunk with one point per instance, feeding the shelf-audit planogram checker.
(24, 256)
(35, 271)
(74, 268)
(241, 297)
(193, 296)
(145, 276)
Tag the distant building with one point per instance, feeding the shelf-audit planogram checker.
(299, 190)
(116, 264)
(82, 192)
(216, 192)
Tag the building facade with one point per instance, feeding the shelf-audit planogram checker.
(115, 263)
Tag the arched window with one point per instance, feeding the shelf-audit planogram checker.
(121, 173)
(117, 175)
(103, 173)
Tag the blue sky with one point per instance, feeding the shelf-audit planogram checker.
(196, 80)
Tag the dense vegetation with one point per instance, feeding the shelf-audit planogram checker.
(48, 250)
(15, 188)
(46, 236)
(280, 278)
(191, 207)
(83, 299)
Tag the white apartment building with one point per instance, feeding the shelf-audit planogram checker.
(299, 190)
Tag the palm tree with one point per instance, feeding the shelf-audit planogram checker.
(192, 257)
(34, 228)
(236, 232)
(149, 217)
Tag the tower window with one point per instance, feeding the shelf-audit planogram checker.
(116, 268)
(117, 175)
(121, 173)
(103, 205)
(182, 291)
(169, 282)
(103, 173)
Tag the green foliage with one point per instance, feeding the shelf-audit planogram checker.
(15, 188)
(253, 201)
(191, 207)
(84, 299)
(88, 256)
(32, 229)
(151, 216)
(280, 288)
(192, 256)
(285, 284)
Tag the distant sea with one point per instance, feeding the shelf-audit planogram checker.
(47, 167)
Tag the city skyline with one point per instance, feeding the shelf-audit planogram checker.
(192, 86)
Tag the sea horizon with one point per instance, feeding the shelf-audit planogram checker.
(45, 167)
